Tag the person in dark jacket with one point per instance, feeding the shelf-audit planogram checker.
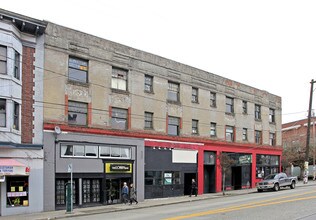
(125, 193)
(133, 197)
(193, 188)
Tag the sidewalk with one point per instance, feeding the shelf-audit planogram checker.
(145, 204)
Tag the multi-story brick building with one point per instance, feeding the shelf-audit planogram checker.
(21, 113)
(161, 121)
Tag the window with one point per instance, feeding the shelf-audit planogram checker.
(173, 92)
(258, 137)
(77, 113)
(195, 126)
(257, 112)
(271, 115)
(78, 150)
(149, 83)
(213, 99)
(229, 105)
(171, 177)
(195, 95)
(229, 133)
(66, 151)
(153, 178)
(272, 139)
(17, 65)
(213, 129)
(173, 126)
(2, 112)
(91, 190)
(119, 79)
(119, 118)
(244, 107)
(3, 60)
(17, 190)
(16, 116)
(78, 70)
(244, 134)
(61, 191)
(91, 151)
(149, 120)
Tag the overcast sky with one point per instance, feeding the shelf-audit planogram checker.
(270, 45)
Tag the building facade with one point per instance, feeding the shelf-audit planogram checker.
(21, 113)
(184, 117)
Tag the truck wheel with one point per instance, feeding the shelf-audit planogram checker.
(276, 187)
(260, 190)
(292, 186)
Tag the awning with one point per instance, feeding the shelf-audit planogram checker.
(12, 167)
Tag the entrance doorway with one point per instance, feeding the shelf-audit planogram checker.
(236, 177)
(188, 182)
(209, 178)
(114, 189)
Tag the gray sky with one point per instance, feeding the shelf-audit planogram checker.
(270, 45)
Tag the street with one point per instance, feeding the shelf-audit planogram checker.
(299, 203)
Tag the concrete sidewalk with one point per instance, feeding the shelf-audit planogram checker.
(61, 214)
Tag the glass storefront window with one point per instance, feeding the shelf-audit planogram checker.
(266, 164)
(17, 191)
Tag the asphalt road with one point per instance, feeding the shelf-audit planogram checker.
(297, 204)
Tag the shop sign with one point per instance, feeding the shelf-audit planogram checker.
(118, 168)
(245, 159)
(14, 170)
(6, 169)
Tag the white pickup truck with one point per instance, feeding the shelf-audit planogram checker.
(275, 181)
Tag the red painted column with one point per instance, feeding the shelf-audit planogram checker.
(253, 170)
(218, 186)
(200, 174)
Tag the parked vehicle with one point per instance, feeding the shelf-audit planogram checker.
(276, 181)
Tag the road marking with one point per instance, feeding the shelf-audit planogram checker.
(248, 206)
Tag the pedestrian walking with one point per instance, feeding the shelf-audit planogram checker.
(125, 193)
(193, 188)
(133, 197)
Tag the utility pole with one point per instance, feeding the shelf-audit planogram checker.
(309, 123)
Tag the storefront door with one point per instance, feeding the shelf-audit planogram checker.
(114, 189)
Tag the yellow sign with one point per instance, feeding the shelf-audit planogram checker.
(118, 168)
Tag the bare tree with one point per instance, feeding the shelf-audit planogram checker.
(225, 162)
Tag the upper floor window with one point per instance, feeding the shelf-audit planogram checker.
(3, 60)
(78, 70)
(213, 99)
(244, 107)
(16, 116)
(213, 129)
(149, 83)
(272, 139)
(173, 126)
(173, 91)
(258, 136)
(244, 134)
(119, 79)
(77, 113)
(195, 95)
(271, 115)
(17, 65)
(195, 126)
(229, 105)
(149, 120)
(119, 118)
(2, 112)
(257, 112)
(229, 133)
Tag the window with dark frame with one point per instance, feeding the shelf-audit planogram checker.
(272, 139)
(3, 60)
(213, 99)
(229, 105)
(271, 115)
(173, 126)
(16, 116)
(173, 92)
(244, 134)
(149, 120)
(257, 112)
(16, 65)
(213, 129)
(119, 118)
(77, 113)
(149, 83)
(258, 136)
(244, 107)
(78, 70)
(230, 133)
(3, 113)
(17, 191)
(119, 79)
(195, 126)
(195, 95)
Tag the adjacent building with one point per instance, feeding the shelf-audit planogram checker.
(21, 113)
